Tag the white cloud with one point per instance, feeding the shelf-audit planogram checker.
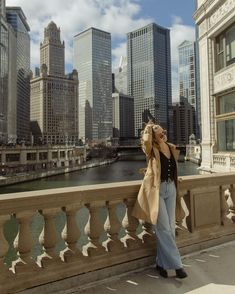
(115, 16)
(119, 51)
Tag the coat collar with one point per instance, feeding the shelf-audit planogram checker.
(173, 149)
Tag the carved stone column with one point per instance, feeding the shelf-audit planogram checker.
(48, 237)
(130, 225)
(224, 194)
(185, 224)
(23, 243)
(231, 203)
(4, 272)
(93, 230)
(147, 235)
(112, 227)
(70, 234)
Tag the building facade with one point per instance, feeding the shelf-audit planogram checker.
(216, 27)
(188, 87)
(17, 19)
(149, 75)
(92, 59)
(187, 83)
(123, 116)
(54, 97)
(4, 68)
(52, 51)
(184, 122)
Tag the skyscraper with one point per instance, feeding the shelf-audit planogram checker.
(187, 82)
(17, 19)
(92, 59)
(4, 58)
(52, 51)
(3, 8)
(149, 75)
(54, 96)
(123, 116)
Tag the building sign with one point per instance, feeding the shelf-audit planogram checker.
(224, 80)
(221, 12)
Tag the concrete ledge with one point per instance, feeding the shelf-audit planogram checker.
(71, 284)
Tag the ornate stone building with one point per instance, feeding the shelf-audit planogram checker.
(54, 96)
(216, 26)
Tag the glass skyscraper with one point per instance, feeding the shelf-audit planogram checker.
(92, 59)
(149, 75)
(3, 76)
(17, 19)
(187, 85)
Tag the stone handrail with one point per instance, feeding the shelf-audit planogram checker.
(112, 235)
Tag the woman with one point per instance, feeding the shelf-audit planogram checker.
(157, 201)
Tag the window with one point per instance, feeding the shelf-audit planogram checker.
(225, 48)
(225, 104)
(225, 120)
(226, 135)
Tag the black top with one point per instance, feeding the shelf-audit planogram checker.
(168, 167)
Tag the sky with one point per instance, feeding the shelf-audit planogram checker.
(115, 16)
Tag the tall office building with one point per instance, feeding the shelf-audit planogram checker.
(184, 122)
(188, 82)
(54, 96)
(52, 51)
(187, 76)
(4, 68)
(149, 75)
(3, 8)
(123, 116)
(92, 59)
(17, 19)
(7, 79)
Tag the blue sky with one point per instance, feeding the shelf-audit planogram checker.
(115, 16)
(163, 10)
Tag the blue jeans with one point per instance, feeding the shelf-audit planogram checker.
(168, 255)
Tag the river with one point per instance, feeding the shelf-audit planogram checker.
(115, 172)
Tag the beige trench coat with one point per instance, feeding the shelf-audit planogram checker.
(147, 204)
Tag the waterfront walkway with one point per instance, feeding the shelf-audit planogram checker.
(209, 271)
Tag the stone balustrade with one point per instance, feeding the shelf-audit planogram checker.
(100, 216)
(223, 162)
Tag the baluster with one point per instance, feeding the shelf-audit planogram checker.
(130, 225)
(4, 272)
(48, 237)
(147, 235)
(23, 243)
(232, 203)
(93, 230)
(224, 193)
(112, 227)
(70, 234)
(183, 225)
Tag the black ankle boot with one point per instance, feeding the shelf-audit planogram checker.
(181, 273)
(162, 271)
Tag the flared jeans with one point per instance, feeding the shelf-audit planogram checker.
(168, 255)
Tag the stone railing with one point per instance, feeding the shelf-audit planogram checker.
(223, 162)
(62, 233)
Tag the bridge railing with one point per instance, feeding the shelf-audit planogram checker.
(61, 233)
